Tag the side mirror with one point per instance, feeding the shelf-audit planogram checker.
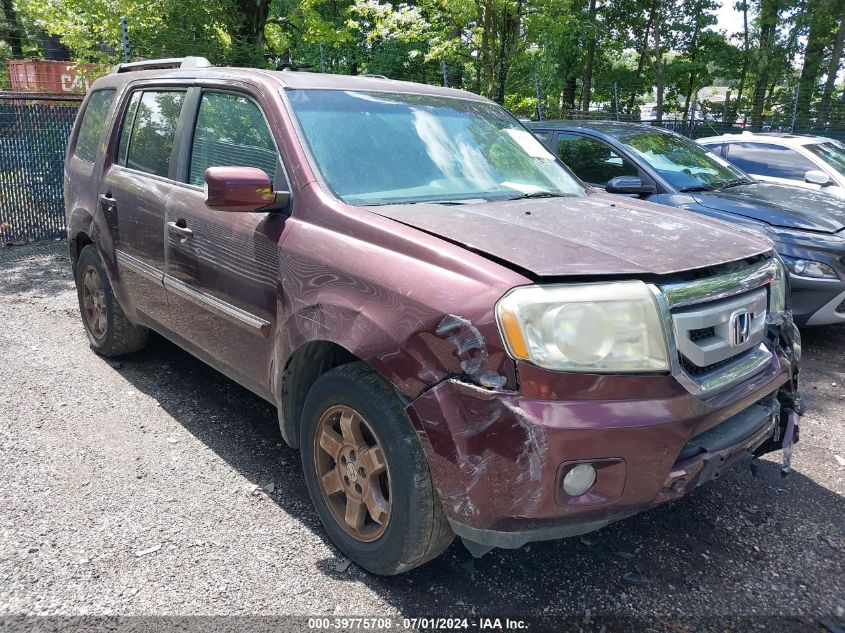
(817, 177)
(629, 185)
(241, 189)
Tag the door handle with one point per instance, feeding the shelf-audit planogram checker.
(182, 231)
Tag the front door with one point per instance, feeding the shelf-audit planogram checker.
(134, 190)
(223, 267)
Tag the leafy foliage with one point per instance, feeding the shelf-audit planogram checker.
(556, 56)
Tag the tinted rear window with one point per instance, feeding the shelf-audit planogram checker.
(151, 138)
(92, 124)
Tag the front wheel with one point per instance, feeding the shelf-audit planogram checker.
(110, 333)
(367, 475)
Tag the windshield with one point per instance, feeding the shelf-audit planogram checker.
(384, 148)
(832, 153)
(683, 163)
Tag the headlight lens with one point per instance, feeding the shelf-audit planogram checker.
(608, 327)
(809, 268)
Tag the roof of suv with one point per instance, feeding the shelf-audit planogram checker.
(776, 138)
(290, 79)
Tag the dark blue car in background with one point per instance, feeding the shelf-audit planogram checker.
(808, 228)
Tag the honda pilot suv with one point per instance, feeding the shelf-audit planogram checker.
(459, 337)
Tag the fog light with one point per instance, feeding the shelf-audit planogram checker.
(579, 480)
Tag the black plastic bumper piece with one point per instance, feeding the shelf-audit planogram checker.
(728, 433)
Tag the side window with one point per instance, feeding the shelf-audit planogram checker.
(153, 131)
(767, 159)
(92, 124)
(591, 160)
(126, 127)
(715, 148)
(232, 131)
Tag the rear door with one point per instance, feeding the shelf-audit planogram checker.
(134, 191)
(81, 168)
(223, 267)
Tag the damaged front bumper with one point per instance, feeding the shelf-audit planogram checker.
(498, 458)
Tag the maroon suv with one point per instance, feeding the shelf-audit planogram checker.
(459, 335)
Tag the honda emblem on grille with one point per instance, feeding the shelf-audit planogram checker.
(739, 327)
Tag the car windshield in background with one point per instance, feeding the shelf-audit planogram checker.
(832, 153)
(385, 148)
(685, 164)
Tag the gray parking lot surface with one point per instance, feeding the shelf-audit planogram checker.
(154, 485)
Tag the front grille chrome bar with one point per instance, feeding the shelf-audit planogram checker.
(746, 363)
(713, 288)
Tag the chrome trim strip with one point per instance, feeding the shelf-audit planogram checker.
(714, 288)
(727, 375)
(232, 313)
(136, 265)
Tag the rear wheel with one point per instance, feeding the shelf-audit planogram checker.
(109, 331)
(367, 475)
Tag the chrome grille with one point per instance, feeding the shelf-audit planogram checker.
(720, 317)
(716, 326)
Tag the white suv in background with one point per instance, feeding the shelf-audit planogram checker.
(813, 162)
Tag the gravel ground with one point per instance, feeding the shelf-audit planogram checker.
(154, 485)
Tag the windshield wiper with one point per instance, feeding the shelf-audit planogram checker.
(734, 183)
(537, 194)
(692, 188)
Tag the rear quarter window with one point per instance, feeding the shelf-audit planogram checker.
(93, 121)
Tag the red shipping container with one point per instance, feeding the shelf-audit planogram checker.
(49, 77)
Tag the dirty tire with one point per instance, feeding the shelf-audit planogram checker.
(120, 336)
(417, 529)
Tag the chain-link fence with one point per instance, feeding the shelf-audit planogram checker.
(33, 135)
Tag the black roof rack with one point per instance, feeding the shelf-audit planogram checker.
(162, 64)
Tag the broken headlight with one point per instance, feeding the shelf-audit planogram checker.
(603, 327)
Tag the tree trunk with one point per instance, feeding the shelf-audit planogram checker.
(13, 35)
(746, 59)
(486, 10)
(586, 90)
(509, 38)
(812, 66)
(569, 90)
(247, 32)
(690, 90)
(658, 65)
(832, 70)
(768, 21)
(692, 74)
(644, 55)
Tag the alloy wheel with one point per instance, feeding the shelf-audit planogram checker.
(352, 472)
(94, 302)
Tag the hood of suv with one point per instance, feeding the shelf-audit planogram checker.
(779, 205)
(598, 234)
